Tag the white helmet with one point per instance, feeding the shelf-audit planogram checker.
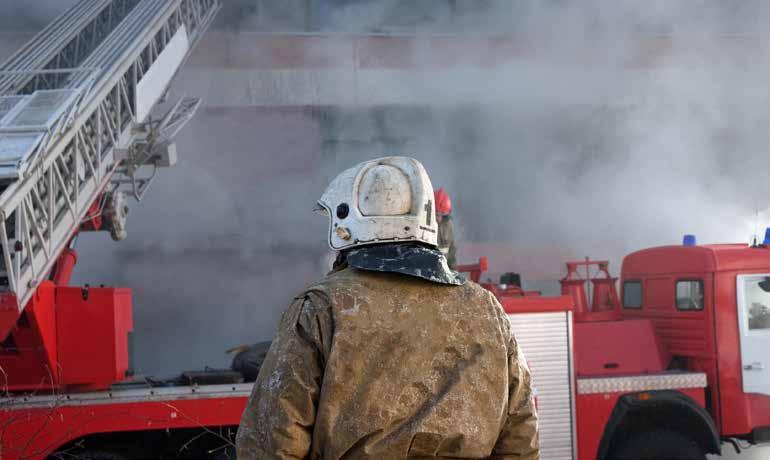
(380, 201)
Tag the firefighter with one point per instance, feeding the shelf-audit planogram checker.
(446, 234)
(392, 354)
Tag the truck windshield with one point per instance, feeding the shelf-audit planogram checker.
(757, 301)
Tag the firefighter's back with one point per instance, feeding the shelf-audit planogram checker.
(406, 356)
(396, 355)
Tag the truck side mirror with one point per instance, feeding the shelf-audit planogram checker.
(765, 284)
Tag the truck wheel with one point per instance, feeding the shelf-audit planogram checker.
(655, 445)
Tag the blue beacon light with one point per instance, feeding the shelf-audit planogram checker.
(766, 241)
(689, 240)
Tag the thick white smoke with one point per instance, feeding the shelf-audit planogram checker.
(608, 126)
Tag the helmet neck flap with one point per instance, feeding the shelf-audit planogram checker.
(412, 259)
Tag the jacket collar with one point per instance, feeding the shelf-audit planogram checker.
(410, 259)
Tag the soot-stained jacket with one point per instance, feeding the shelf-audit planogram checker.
(370, 365)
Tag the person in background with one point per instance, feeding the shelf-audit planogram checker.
(446, 235)
(392, 355)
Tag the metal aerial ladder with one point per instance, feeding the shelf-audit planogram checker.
(76, 130)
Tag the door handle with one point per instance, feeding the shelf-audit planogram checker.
(755, 366)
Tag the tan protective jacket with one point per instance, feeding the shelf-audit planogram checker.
(369, 365)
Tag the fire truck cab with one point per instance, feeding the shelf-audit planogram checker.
(710, 308)
(666, 362)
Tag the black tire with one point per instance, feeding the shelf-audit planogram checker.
(658, 445)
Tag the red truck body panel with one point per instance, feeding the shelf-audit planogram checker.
(29, 358)
(92, 336)
(618, 348)
(71, 337)
(38, 426)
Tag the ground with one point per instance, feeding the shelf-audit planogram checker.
(758, 453)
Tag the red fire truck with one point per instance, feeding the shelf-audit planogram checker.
(670, 369)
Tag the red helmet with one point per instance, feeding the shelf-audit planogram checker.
(443, 202)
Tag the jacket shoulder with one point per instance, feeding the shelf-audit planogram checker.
(345, 276)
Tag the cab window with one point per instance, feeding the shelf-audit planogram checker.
(757, 302)
(632, 294)
(689, 295)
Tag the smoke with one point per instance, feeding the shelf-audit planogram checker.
(30, 15)
(625, 125)
(221, 243)
(560, 128)
(622, 127)
(19, 20)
